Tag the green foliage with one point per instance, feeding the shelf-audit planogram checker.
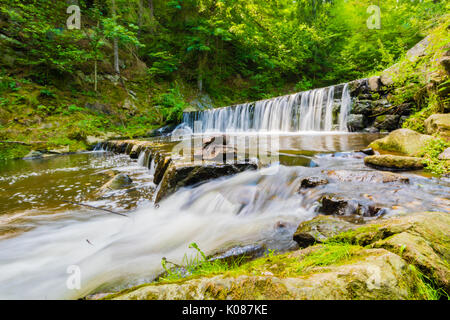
(13, 151)
(426, 286)
(430, 156)
(164, 63)
(196, 265)
(170, 106)
(417, 120)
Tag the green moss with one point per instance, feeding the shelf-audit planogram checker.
(430, 156)
(416, 122)
(363, 236)
(425, 288)
(13, 151)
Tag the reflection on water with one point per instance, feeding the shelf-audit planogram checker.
(113, 252)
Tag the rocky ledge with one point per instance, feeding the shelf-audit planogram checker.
(404, 257)
(173, 170)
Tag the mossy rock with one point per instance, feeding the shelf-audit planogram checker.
(373, 274)
(320, 229)
(402, 141)
(422, 239)
(439, 124)
(391, 162)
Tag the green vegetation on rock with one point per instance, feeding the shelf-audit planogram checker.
(398, 258)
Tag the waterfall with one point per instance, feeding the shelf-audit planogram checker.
(313, 110)
(345, 108)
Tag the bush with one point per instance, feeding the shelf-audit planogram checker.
(430, 156)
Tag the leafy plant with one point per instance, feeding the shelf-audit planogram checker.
(430, 156)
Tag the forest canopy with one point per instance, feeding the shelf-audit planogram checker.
(260, 45)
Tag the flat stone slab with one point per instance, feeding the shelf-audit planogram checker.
(172, 170)
(396, 163)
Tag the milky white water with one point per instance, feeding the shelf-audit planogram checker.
(114, 250)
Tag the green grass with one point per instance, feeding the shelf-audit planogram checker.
(430, 156)
(426, 287)
(195, 266)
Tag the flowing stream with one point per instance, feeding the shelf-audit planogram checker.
(41, 236)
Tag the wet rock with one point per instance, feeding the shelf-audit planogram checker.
(216, 149)
(358, 87)
(355, 122)
(371, 130)
(163, 131)
(367, 176)
(368, 151)
(312, 182)
(334, 205)
(183, 175)
(445, 155)
(118, 182)
(403, 141)
(363, 107)
(391, 162)
(34, 154)
(171, 170)
(439, 124)
(320, 229)
(387, 122)
(240, 254)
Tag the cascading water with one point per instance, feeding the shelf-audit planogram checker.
(314, 110)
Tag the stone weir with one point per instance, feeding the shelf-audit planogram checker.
(172, 170)
(358, 106)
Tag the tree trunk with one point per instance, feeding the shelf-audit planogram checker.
(95, 74)
(116, 43)
(140, 17)
(150, 6)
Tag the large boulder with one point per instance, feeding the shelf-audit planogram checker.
(396, 163)
(117, 182)
(375, 83)
(387, 122)
(445, 155)
(312, 182)
(355, 122)
(439, 124)
(422, 239)
(402, 141)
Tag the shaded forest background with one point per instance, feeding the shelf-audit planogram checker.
(135, 65)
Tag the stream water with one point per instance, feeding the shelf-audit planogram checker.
(41, 236)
